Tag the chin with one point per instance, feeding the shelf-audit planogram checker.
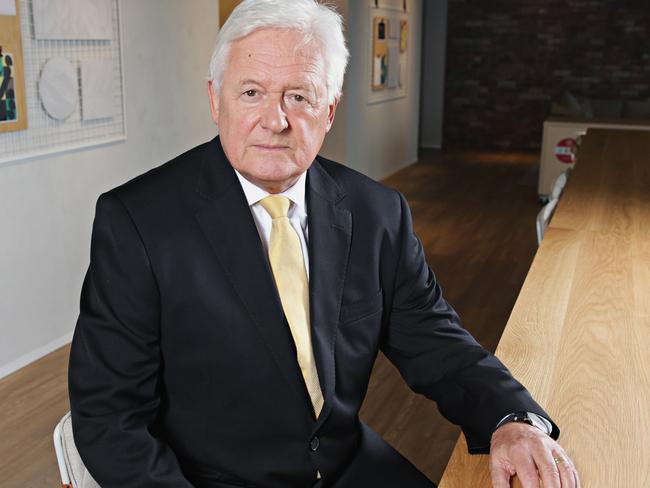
(276, 180)
(275, 169)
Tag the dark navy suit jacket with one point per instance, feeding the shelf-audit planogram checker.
(183, 370)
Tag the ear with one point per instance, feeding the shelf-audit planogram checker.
(214, 102)
(331, 113)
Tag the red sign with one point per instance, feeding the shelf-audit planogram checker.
(565, 151)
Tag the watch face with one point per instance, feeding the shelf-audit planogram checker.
(536, 421)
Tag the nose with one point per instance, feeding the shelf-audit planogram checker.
(273, 116)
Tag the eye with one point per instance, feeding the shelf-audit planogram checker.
(250, 93)
(298, 98)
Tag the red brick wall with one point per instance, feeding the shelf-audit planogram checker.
(507, 59)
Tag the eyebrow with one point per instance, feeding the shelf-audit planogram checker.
(250, 81)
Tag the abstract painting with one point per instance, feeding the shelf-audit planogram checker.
(13, 110)
(8, 106)
(380, 53)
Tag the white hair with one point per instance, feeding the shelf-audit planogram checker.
(318, 22)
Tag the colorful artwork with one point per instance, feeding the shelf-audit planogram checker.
(13, 109)
(380, 53)
(8, 107)
(389, 66)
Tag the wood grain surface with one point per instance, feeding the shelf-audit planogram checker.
(579, 334)
(610, 186)
(32, 401)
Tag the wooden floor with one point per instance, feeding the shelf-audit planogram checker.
(32, 401)
(475, 214)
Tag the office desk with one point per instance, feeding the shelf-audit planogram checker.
(610, 185)
(579, 334)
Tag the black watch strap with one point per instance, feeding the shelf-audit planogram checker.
(527, 418)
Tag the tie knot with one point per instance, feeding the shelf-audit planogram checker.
(276, 205)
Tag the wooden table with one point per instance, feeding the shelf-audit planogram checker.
(579, 334)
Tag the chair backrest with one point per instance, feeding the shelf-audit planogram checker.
(544, 218)
(559, 184)
(73, 472)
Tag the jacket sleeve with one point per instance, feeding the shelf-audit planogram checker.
(115, 360)
(440, 359)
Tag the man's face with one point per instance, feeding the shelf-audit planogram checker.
(272, 109)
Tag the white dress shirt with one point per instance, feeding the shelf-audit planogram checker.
(297, 212)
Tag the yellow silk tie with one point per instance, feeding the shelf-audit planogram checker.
(288, 265)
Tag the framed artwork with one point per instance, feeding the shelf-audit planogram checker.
(388, 66)
(13, 110)
(73, 84)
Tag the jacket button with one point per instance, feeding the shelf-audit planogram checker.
(314, 444)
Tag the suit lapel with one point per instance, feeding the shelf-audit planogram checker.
(330, 231)
(227, 223)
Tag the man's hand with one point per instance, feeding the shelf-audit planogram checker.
(524, 450)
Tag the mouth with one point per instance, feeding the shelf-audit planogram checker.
(270, 147)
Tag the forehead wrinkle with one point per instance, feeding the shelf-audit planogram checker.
(283, 61)
(293, 75)
(295, 66)
(309, 52)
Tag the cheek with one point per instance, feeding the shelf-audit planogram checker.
(237, 125)
(309, 135)
(311, 126)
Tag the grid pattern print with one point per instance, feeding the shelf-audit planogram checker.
(46, 135)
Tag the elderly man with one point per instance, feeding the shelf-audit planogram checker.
(237, 298)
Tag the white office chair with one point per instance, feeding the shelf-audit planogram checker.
(559, 184)
(544, 218)
(73, 472)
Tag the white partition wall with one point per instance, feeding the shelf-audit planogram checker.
(376, 138)
(47, 204)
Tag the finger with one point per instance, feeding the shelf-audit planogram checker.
(527, 473)
(548, 470)
(567, 471)
(500, 477)
(577, 477)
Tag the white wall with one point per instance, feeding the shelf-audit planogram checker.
(433, 73)
(47, 204)
(380, 138)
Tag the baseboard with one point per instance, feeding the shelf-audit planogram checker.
(30, 357)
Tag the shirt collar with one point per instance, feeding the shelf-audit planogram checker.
(295, 193)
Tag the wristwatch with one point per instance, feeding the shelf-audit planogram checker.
(527, 418)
